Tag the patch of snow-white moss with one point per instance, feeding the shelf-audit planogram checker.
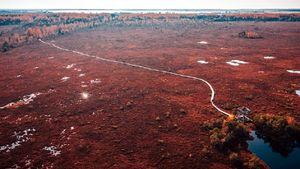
(65, 78)
(70, 66)
(236, 62)
(298, 92)
(269, 57)
(52, 150)
(21, 137)
(202, 62)
(294, 71)
(203, 42)
(25, 100)
(95, 81)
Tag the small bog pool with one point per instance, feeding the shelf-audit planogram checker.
(276, 156)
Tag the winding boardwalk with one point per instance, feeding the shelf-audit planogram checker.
(149, 69)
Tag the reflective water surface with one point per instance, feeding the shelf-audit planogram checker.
(275, 155)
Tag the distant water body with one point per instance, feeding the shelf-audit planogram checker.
(162, 11)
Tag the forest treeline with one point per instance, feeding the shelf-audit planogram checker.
(19, 29)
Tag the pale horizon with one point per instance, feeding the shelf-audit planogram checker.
(154, 4)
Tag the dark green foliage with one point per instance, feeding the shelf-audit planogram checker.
(235, 160)
(228, 136)
(293, 131)
(279, 131)
(216, 138)
(276, 125)
(5, 46)
(209, 125)
(236, 134)
(253, 163)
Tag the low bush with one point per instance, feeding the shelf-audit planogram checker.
(250, 35)
(5, 46)
(235, 160)
(277, 126)
(253, 163)
(209, 125)
(230, 135)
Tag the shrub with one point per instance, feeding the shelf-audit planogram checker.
(216, 138)
(280, 131)
(279, 126)
(253, 163)
(229, 136)
(235, 160)
(209, 125)
(236, 134)
(293, 131)
(5, 46)
(249, 35)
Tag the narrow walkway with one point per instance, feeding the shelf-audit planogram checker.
(150, 69)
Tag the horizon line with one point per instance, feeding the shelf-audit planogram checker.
(150, 8)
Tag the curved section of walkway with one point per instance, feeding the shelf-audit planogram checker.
(149, 69)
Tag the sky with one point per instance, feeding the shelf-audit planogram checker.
(148, 4)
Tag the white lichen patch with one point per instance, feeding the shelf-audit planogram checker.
(297, 92)
(63, 131)
(202, 62)
(269, 57)
(70, 66)
(65, 78)
(203, 42)
(36, 67)
(84, 86)
(15, 166)
(294, 71)
(84, 95)
(77, 69)
(28, 163)
(19, 76)
(95, 81)
(236, 62)
(81, 75)
(21, 137)
(52, 150)
(25, 100)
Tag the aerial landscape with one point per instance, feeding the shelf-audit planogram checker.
(136, 88)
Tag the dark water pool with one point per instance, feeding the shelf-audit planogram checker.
(274, 158)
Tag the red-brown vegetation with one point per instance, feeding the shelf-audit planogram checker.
(135, 118)
(33, 26)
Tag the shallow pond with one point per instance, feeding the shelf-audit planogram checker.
(273, 158)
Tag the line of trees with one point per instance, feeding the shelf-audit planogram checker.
(27, 27)
(39, 26)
